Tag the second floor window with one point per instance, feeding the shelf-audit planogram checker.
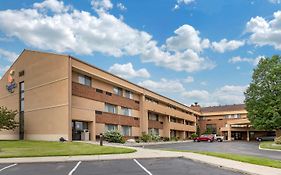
(117, 91)
(153, 116)
(110, 108)
(85, 80)
(126, 111)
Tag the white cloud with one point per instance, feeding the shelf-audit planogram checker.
(102, 5)
(228, 94)
(253, 61)
(180, 2)
(82, 33)
(186, 38)
(204, 83)
(53, 5)
(3, 69)
(275, 1)
(265, 32)
(8, 55)
(164, 85)
(224, 45)
(121, 6)
(196, 95)
(188, 79)
(127, 71)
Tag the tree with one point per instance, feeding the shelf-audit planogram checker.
(7, 119)
(263, 96)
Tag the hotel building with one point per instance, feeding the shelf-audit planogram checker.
(229, 121)
(60, 96)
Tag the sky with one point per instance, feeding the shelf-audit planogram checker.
(188, 50)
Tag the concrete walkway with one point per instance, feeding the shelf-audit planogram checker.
(148, 153)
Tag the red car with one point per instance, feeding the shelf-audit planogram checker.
(208, 138)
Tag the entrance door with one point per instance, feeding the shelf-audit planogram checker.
(236, 135)
(77, 128)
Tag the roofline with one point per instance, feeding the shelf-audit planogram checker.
(84, 62)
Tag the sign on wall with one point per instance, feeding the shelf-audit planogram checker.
(11, 82)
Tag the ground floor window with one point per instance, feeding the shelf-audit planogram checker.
(153, 131)
(173, 133)
(126, 130)
(211, 128)
(111, 127)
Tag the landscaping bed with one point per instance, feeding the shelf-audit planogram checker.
(270, 145)
(10, 149)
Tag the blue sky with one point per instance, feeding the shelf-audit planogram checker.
(189, 50)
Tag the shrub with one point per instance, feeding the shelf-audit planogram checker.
(194, 135)
(114, 137)
(278, 140)
(174, 138)
(166, 139)
(155, 138)
(145, 137)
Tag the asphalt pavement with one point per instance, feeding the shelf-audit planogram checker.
(235, 147)
(155, 166)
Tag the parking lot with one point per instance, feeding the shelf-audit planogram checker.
(235, 147)
(163, 166)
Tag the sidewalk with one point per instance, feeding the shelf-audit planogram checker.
(148, 153)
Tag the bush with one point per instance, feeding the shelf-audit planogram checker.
(114, 137)
(194, 135)
(150, 137)
(278, 140)
(155, 138)
(174, 139)
(145, 137)
(166, 139)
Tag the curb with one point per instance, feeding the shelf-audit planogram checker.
(267, 149)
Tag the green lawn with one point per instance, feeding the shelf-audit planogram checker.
(241, 158)
(10, 149)
(270, 145)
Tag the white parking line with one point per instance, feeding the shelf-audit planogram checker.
(143, 167)
(8, 167)
(76, 166)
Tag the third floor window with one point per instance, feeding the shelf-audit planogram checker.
(85, 80)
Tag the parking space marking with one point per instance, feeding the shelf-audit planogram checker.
(7, 167)
(76, 166)
(143, 167)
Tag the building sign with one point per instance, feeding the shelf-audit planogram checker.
(12, 85)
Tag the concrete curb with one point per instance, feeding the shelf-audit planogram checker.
(267, 149)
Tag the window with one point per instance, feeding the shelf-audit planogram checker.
(126, 131)
(153, 131)
(172, 119)
(128, 94)
(126, 111)
(21, 96)
(117, 91)
(85, 80)
(111, 127)
(110, 108)
(153, 116)
(99, 90)
(212, 128)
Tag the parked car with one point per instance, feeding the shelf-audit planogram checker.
(265, 138)
(205, 137)
(218, 138)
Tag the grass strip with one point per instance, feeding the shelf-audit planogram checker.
(242, 158)
(12, 149)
